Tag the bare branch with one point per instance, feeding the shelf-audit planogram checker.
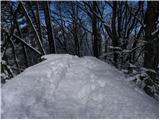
(34, 29)
(22, 41)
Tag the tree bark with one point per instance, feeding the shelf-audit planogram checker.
(151, 17)
(151, 54)
(96, 40)
(115, 39)
(48, 21)
(38, 21)
(75, 28)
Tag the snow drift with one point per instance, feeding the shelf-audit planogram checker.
(65, 86)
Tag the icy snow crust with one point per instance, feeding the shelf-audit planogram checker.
(65, 86)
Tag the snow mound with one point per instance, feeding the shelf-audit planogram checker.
(65, 86)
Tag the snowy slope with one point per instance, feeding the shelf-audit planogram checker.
(65, 86)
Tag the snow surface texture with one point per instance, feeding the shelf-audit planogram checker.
(65, 86)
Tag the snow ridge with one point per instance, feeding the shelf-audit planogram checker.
(66, 86)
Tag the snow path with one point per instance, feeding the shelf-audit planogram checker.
(65, 86)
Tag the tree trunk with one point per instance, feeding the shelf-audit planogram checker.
(95, 31)
(49, 28)
(151, 55)
(14, 54)
(38, 21)
(75, 29)
(114, 32)
(151, 17)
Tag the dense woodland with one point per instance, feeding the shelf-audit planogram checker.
(124, 34)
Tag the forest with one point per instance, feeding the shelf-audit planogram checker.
(124, 34)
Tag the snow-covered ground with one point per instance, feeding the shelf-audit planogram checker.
(65, 86)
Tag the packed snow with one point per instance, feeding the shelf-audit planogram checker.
(66, 86)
